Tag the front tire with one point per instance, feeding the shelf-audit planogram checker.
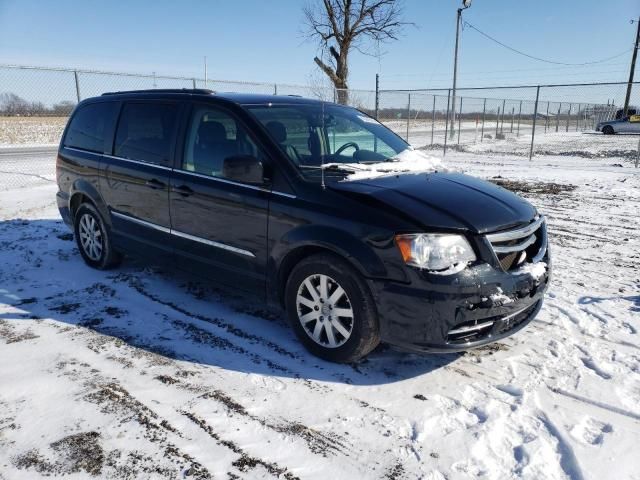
(608, 130)
(331, 309)
(94, 239)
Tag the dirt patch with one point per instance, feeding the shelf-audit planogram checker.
(80, 452)
(11, 335)
(244, 462)
(115, 400)
(518, 186)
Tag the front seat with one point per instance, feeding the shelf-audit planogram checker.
(279, 133)
(212, 148)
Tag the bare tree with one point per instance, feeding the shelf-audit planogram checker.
(340, 25)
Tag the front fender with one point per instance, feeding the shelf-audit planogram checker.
(292, 247)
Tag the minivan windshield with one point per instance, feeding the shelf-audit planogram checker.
(327, 136)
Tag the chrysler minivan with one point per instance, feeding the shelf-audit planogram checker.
(313, 206)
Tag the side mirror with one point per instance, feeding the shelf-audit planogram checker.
(244, 169)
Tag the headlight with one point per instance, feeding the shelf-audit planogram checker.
(441, 253)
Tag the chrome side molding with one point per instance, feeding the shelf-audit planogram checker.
(188, 236)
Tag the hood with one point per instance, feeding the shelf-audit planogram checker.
(444, 200)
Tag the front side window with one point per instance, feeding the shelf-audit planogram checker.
(315, 135)
(213, 136)
(89, 125)
(146, 132)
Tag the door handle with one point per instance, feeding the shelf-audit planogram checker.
(155, 184)
(183, 190)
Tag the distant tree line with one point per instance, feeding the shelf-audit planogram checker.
(12, 105)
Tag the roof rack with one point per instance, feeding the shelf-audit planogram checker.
(190, 91)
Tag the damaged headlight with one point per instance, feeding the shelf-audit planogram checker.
(444, 254)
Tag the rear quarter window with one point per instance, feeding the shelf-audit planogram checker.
(89, 126)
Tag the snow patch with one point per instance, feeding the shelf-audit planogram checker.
(407, 161)
(500, 297)
(536, 270)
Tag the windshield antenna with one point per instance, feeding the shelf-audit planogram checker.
(321, 155)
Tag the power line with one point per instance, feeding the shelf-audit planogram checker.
(467, 24)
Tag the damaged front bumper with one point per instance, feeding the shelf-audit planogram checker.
(459, 312)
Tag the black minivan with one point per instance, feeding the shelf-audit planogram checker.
(313, 206)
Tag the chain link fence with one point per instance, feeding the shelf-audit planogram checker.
(522, 121)
(525, 121)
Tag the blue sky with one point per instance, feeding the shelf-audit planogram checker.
(263, 41)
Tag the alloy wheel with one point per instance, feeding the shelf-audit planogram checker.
(324, 311)
(90, 237)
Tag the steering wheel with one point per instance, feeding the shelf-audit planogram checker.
(345, 146)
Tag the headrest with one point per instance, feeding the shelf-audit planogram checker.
(277, 131)
(211, 132)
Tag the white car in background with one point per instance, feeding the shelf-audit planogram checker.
(623, 125)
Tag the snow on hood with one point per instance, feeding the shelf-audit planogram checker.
(407, 161)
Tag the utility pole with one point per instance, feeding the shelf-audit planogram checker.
(633, 66)
(465, 4)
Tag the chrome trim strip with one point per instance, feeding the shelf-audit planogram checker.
(222, 180)
(184, 235)
(486, 324)
(141, 222)
(543, 247)
(155, 165)
(516, 234)
(518, 247)
(80, 150)
(231, 182)
(212, 243)
(471, 328)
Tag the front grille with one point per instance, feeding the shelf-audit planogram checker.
(514, 248)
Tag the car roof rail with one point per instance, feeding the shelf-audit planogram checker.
(189, 91)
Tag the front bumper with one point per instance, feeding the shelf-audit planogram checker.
(453, 313)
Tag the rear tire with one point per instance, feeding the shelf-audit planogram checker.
(608, 130)
(94, 239)
(331, 309)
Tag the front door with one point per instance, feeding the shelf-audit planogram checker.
(219, 226)
(135, 178)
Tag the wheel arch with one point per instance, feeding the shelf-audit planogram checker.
(311, 240)
(83, 191)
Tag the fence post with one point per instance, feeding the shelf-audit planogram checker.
(535, 117)
(459, 120)
(377, 94)
(497, 122)
(75, 76)
(446, 126)
(558, 117)
(502, 120)
(519, 117)
(484, 111)
(408, 114)
(568, 117)
(275, 88)
(578, 117)
(433, 118)
(546, 120)
(513, 114)
(194, 83)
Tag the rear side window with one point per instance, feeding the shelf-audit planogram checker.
(89, 125)
(146, 132)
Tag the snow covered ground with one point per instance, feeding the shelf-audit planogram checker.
(141, 373)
